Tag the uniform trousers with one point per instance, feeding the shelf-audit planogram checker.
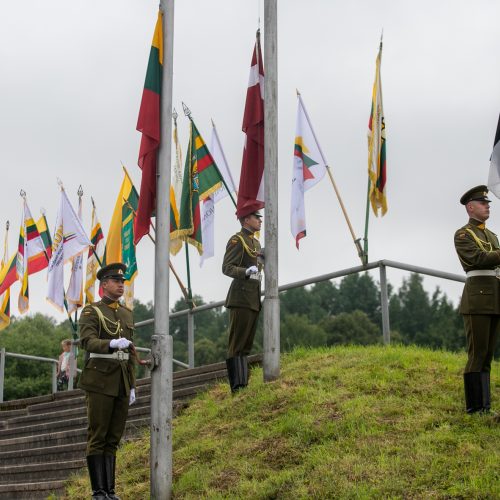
(107, 416)
(242, 327)
(481, 332)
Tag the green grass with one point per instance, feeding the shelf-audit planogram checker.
(346, 422)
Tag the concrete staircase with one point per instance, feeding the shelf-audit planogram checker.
(43, 439)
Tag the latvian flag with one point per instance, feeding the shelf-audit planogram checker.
(251, 190)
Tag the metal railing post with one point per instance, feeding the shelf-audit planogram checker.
(72, 367)
(2, 372)
(384, 303)
(54, 378)
(190, 323)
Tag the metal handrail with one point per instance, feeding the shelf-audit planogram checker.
(381, 265)
(323, 277)
(4, 354)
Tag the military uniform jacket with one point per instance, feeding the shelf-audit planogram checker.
(241, 253)
(478, 249)
(103, 375)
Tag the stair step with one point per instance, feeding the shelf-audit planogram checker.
(34, 491)
(26, 443)
(48, 471)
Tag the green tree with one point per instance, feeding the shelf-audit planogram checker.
(359, 292)
(351, 328)
(298, 330)
(410, 310)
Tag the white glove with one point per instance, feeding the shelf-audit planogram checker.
(251, 270)
(131, 400)
(120, 343)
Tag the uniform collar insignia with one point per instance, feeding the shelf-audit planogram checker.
(111, 303)
(476, 223)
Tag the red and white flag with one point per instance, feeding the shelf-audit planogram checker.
(251, 190)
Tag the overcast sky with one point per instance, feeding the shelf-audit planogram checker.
(72, 75)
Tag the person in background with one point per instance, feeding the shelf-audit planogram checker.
(64, 364)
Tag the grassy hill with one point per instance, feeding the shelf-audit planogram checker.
(346, 422)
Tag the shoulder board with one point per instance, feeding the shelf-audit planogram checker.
(125, 307)
(234, 239)
(87, 309)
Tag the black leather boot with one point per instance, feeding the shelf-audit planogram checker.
(485, 388)
(110, 464)
(97, 473)
(243, 370)
(236, 372)
(473, 392)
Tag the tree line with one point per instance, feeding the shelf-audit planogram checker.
(324, 314)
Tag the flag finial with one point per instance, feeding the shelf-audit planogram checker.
(186, 110)
(22, 194)
(7, 225)
(80, 191)
(174, 116)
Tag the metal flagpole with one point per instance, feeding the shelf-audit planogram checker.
(367, 218)
(271, 362)
(161, 341)
(357, 241)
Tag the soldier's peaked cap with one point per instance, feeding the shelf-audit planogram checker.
(478, 193)
(247, 212)
(115, 271)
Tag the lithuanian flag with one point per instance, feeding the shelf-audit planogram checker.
(148, 124)
(43, 229)
(5, 297)
(8, 274)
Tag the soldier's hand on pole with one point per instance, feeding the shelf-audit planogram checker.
(134, 352)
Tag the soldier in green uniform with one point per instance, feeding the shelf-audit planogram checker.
(243, 263)
(106, 333)
(479, 253)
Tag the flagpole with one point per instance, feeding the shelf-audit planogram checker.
(271, 361)
(95, 253)
(188, 268)
(161, 341)
(367, 218)
(357, 242)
